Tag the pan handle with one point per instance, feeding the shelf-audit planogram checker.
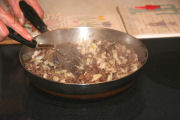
(21, 39)
(33, 17)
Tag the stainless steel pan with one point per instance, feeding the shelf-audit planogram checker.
(87, 91)
(76, 35)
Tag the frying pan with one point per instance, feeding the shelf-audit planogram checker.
(85, 91)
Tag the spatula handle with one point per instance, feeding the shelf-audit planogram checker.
(20, 39)
(33, 17)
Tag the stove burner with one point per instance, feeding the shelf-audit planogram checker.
(126, 105)
(165, 69)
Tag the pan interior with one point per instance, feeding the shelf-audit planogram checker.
(66, 42)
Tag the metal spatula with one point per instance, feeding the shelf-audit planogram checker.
(37, 22)
(69, 56)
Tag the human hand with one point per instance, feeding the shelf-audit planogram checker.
(7, 20)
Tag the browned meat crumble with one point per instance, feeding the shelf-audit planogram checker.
(102, 61)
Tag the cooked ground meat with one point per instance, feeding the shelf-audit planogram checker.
(102, 61)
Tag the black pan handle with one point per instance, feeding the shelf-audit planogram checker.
(33, 17)
(21, 39)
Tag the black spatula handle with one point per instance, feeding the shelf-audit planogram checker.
(33, 17)
(20, 39)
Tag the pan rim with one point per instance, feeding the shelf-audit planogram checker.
(89, 84)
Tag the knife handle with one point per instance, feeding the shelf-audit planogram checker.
(33, 17)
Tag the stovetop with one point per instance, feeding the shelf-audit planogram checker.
(154, 96)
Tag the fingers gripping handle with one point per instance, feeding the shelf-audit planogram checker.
(21, 39)
(33, 17)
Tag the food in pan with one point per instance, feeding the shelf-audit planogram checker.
(96, 62)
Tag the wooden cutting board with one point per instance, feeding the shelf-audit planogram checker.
(8, 41)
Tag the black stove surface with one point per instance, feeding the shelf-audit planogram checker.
(154, 96)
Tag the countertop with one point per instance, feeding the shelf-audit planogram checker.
(121, 15)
